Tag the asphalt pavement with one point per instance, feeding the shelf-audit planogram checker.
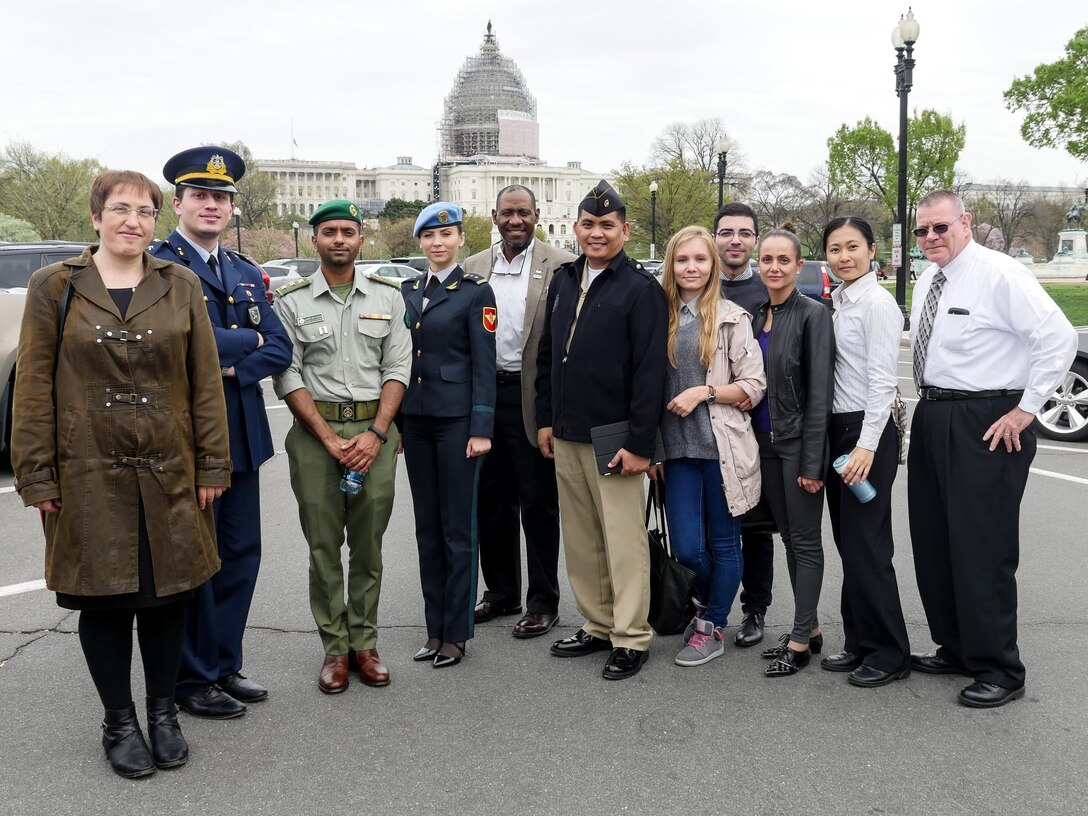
(513, 730)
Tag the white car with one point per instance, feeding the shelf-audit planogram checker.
(398, 273)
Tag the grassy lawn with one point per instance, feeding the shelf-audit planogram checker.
(1071, 297)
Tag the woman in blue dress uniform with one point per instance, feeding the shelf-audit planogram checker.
(447, 415)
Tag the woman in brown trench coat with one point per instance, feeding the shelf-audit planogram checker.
(120, 439)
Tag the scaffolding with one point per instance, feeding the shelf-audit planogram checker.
(487, 84)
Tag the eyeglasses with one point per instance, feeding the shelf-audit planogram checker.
(726, 234)
(940, 229)
(147, 213)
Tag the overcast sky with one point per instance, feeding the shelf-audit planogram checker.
(131, 83)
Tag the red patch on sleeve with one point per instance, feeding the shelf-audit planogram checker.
(491, 318)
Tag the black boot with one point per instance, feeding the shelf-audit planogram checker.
(124, 743)
(168, 745)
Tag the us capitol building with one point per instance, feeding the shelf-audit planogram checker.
(489, 138)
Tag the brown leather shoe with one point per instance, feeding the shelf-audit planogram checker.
(534, 624)
(372, 670)
(334, 674)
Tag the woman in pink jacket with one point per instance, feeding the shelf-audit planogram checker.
(711, 469)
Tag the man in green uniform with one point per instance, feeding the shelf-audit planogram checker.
(351, 362)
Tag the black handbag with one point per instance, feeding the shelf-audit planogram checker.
(671, 583)
(759, 519)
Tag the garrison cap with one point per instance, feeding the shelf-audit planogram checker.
(207, 168)
(439, 214)
(601, 200)
(336, 210)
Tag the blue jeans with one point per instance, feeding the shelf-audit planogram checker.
(705, 538)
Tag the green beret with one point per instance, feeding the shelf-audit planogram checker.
(601, 200)
(336, 210)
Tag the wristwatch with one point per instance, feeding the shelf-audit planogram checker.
(712, 397)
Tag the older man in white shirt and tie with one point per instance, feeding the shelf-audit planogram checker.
(990, 347)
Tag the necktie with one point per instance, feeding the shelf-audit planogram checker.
(925, 325)
(213, 264)
(432, 284)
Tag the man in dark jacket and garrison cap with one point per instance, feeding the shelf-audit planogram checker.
(602, 361)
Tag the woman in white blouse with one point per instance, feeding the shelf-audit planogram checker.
(868, 327)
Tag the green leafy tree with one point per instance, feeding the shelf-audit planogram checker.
(398, 208)
(863, 162)
(684, 196)
(50, 192)
(398, 238)
(477, 234)
(257, 190)
(1055, 99)
(17, 230)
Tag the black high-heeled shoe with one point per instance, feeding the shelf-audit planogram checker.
(426, 653)
(788, 662)
(815, 645)
(441, 661)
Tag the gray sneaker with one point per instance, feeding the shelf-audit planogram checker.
(700, 608)
(705, 644)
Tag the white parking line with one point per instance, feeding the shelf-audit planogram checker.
(1062, 476)
(26, 586)
(8, 489)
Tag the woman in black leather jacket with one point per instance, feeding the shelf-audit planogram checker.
(798, 343)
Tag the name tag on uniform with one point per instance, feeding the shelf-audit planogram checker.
(375, 317)
(306, 321)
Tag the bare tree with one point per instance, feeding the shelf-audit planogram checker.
(694, 145)
(1011, 208)
(1046, 219)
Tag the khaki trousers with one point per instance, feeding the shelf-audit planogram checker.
(604, 538)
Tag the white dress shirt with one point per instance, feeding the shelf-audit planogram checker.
(510, 283)
(995, 328)
(868, 326)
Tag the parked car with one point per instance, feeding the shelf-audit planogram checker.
(287, 269)
(817, 281)
(417, 262)
(1065, 415)
(653, 266)
(17, 263)
(398, 273)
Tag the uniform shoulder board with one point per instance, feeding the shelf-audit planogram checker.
(235, 254)
(379, 279)
(292, 286)
(158, 242)
(473, 277)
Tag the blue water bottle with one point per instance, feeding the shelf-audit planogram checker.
(351, 482)
(863, 491)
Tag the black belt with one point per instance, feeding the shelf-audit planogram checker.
(930, 393)
(507, 376)
(347, 411)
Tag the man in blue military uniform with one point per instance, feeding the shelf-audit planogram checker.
(252, 345)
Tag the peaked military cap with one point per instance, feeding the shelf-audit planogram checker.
(439, 214)
(207, 168)
(601, 200)
(336, 210)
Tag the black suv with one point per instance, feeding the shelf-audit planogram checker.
(17, 263)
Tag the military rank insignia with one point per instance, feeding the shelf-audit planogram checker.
(254, 315)
(491, 319)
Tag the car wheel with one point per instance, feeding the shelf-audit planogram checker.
(1065, 415)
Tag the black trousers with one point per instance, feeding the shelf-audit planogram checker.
(872, 616)
(799, 517)
(964, 507)
(757, 577)
(443, 486)
(517, 488)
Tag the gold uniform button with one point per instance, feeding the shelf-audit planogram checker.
(230, 299)
(234, 325)
(419, 379)
(417, 325)
(205, 298)
(419, 353)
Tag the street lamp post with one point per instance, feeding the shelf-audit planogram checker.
(238, 226)
(295, 226)
(653, 220)
(723, 154)
(904, 36)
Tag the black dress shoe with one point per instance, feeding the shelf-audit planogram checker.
(212, 703)
(486, 610)
(788, 662)
(624, 663)
(751, 630)
(168, 746)
(442, 661)
(843, 661)
(124, 742)
(933, 663)
(989, 695)
(535, 624)
(240, 687)
(815, 646)
(868, 677)
(579, 644)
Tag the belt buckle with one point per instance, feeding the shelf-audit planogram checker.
(347, 410)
